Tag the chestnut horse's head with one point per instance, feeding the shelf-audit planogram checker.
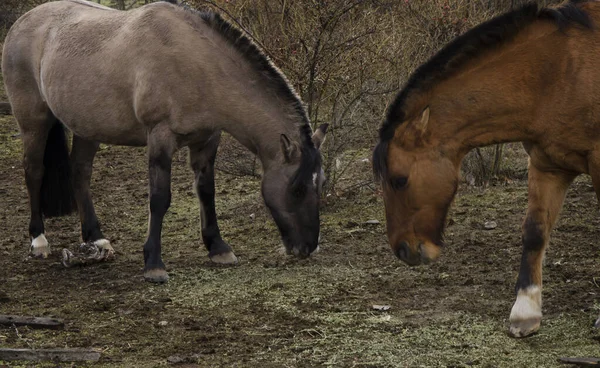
(419, 182)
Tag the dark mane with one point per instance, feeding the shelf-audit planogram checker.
(476, 41)
(276, 81)
(310, 157)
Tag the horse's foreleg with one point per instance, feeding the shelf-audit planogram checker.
(202, 160)
(82, 158)
(160, 152)
(546, 196)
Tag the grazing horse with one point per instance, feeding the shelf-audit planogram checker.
(164, 76)
(529, 75)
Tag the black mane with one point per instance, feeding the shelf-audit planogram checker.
(277, 81)
(476, 41)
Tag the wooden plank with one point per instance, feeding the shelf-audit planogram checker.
(60, 355)
(587, 362)
(33, 322)
(5, 108)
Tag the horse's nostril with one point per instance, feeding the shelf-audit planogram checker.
(403, 251)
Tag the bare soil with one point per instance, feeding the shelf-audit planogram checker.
(275, 311)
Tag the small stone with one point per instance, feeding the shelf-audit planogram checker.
(372, 222)
(381, 308)
(490, 225)
(175, 359)
(163, 323)
(252, 216)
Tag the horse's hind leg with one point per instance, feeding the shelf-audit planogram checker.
(82, 158)
(34, 136)
(546, 196)
(46, 164)
(202, 160)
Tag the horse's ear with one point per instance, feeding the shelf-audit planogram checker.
(421, 125)
(288, 148)
(319, 136)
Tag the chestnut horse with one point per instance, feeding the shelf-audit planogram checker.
(164, 76)
(529, 75)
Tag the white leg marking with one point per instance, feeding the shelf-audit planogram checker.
(40, 247)
(106, 250)
(526, 313)
(528, 304)
(103, 244)
(39, 242)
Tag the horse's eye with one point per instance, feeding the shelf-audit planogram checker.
(399, 182)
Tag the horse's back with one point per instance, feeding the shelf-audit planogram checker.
(84, 61)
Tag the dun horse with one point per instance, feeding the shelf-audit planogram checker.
(163, 76)
(529, 75)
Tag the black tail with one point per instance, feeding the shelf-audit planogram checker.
(57, 190)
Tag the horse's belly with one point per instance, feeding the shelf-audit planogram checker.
(109, 130)
(102, 118)
(124, 139)
(121, 137)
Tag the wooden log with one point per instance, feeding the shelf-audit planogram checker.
(33, 322)
(3, 297)
(60, 355)
(586, 362)
(5, 108)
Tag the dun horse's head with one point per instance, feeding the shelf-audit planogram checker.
(292, 191)
(419, 181)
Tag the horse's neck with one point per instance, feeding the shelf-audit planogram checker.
(493, 102)
(258, 123)
(245, 102)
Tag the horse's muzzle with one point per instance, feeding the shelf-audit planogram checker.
(410, 257)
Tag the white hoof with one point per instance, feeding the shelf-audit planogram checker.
(40, 247)
(106, 250)
(225, 258)
(526, 313)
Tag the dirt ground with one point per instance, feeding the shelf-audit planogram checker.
(275, 311)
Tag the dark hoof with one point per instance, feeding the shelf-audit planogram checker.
(227, 258)
(157, 276)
